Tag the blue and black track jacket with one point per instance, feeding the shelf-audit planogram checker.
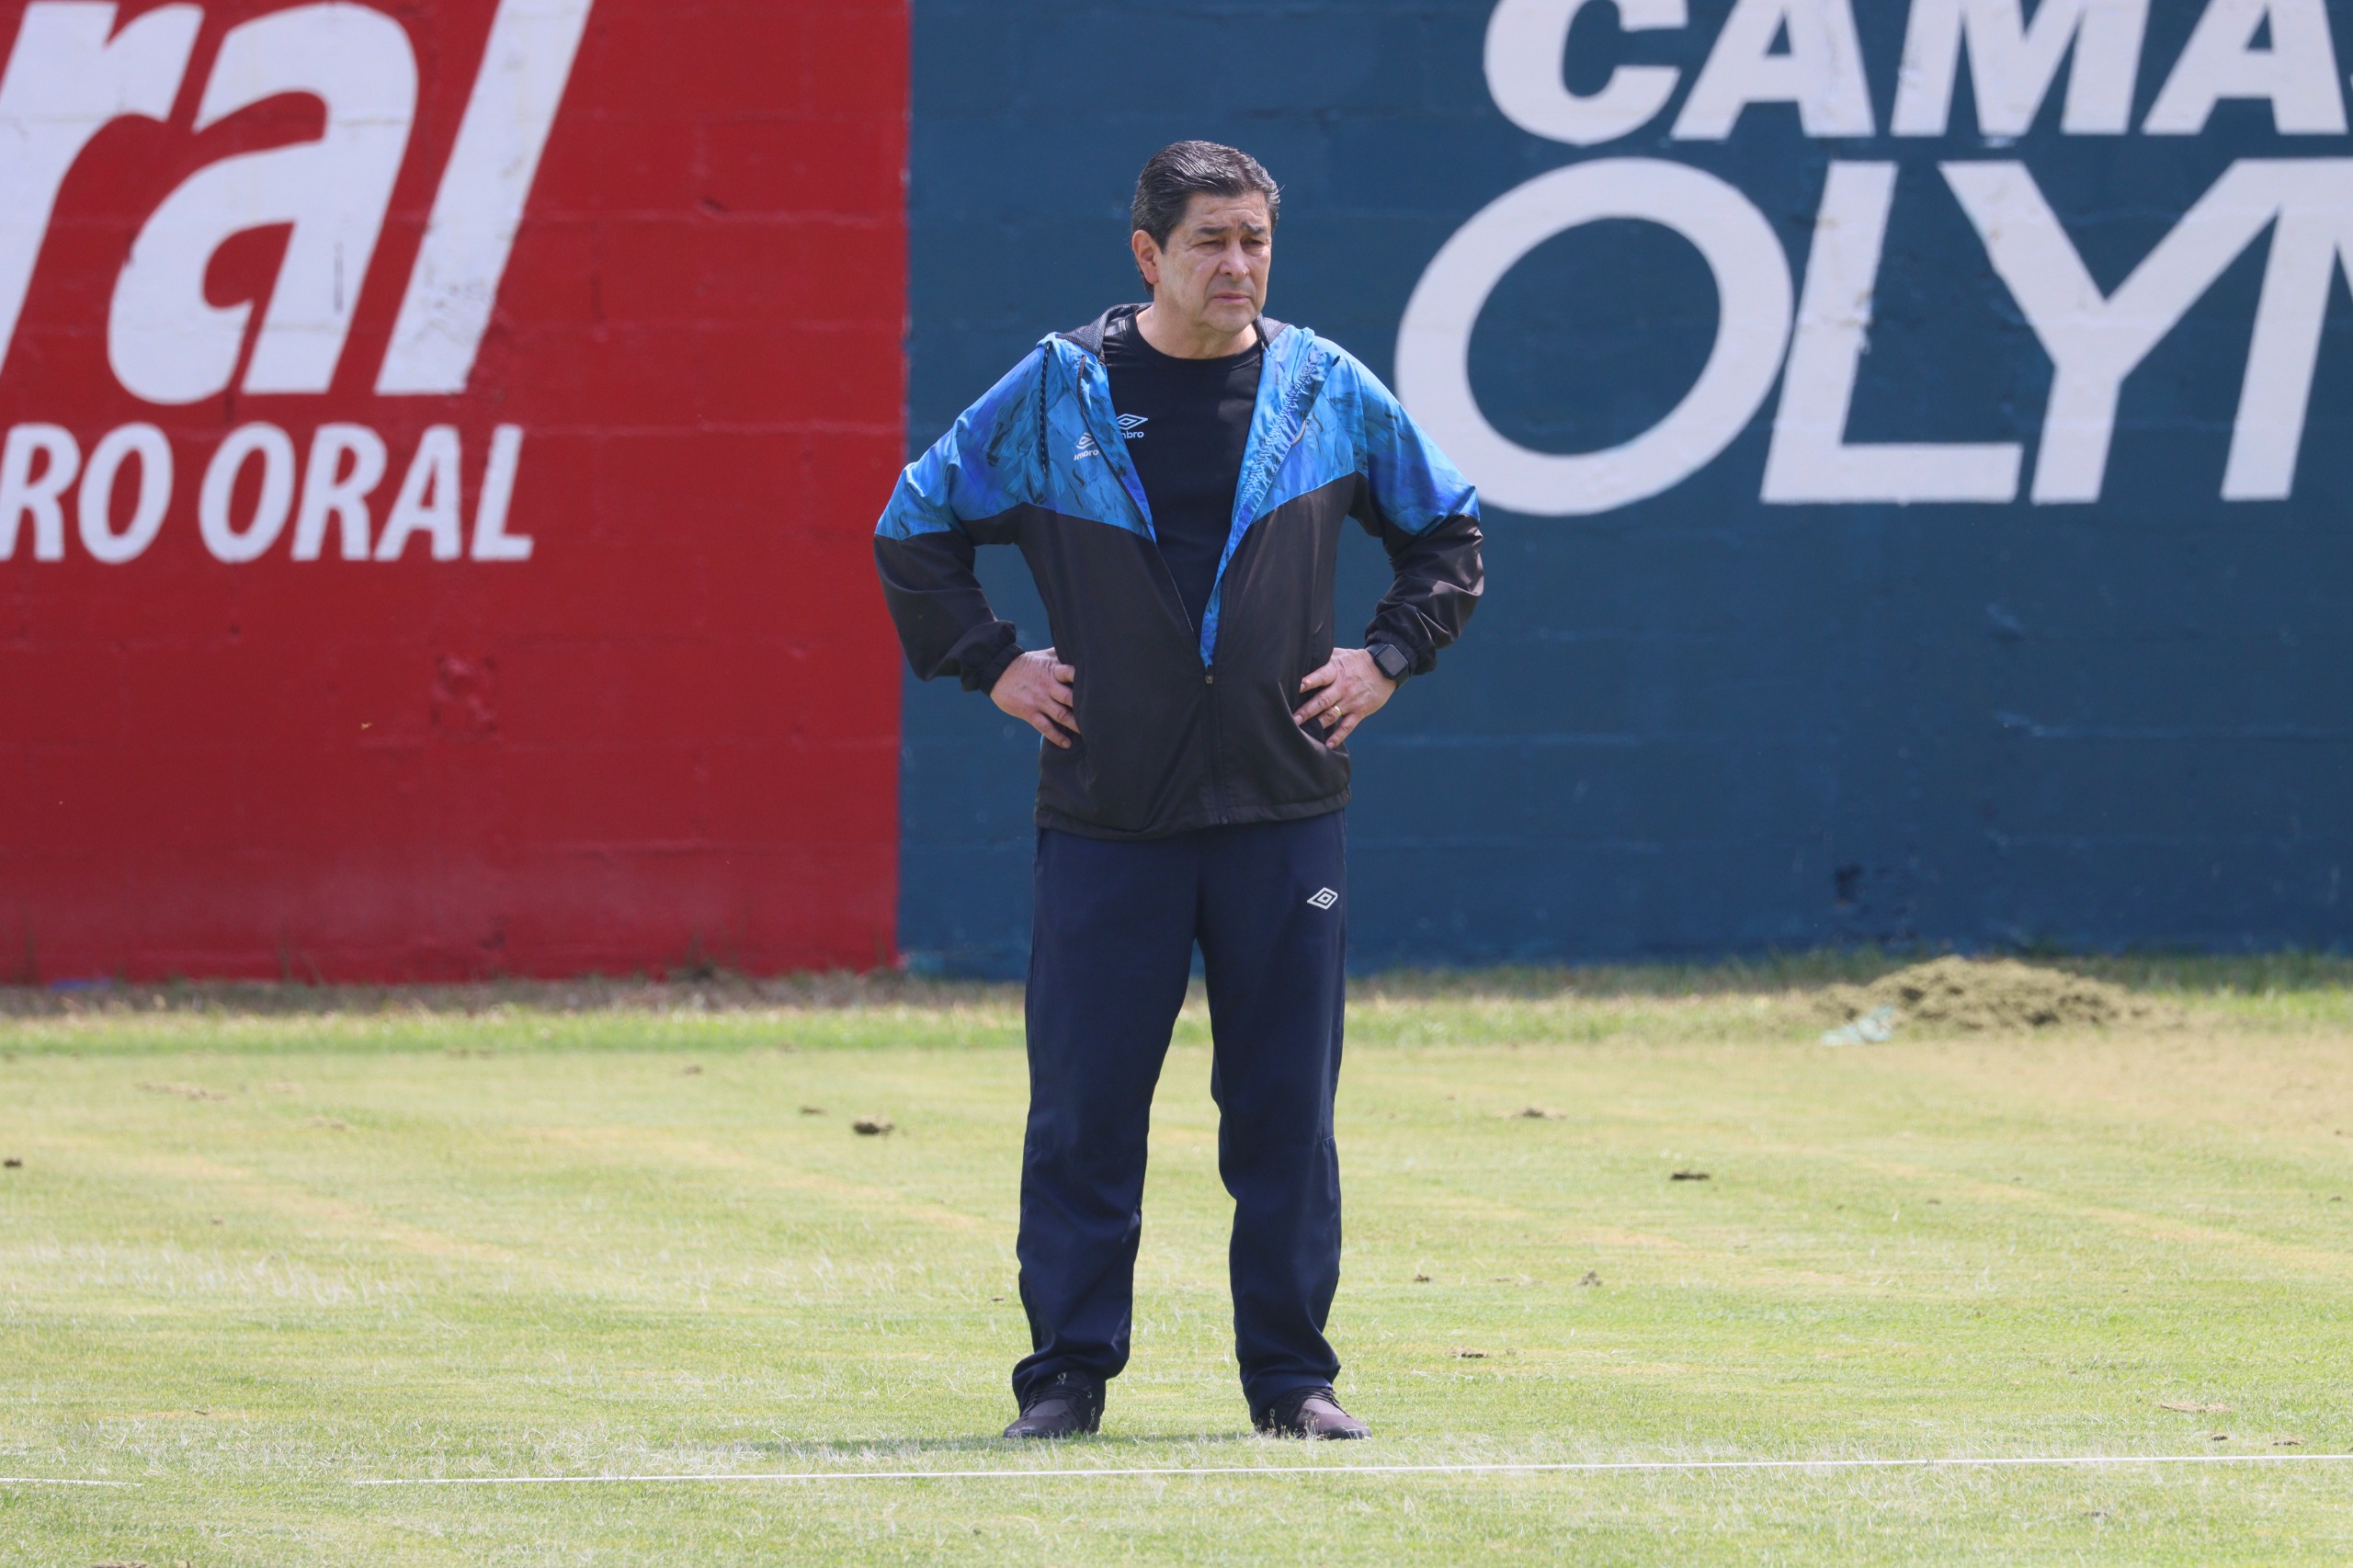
(1181, 728)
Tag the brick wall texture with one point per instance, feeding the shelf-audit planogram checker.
(666, 738)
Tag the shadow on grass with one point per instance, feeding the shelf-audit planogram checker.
(991, 1443)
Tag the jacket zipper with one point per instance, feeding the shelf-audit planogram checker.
(1303, 397)
(1168, 584)
(1217, 746)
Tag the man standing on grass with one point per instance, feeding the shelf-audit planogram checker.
(1176, 474)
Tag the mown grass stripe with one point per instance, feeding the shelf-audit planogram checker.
(54, 1481)
(1499, 1467)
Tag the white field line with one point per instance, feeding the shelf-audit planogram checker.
(51, 1481)
(1492, 1468)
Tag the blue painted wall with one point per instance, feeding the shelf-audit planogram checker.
(1698, 724)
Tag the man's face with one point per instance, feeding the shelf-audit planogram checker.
(1212, 273)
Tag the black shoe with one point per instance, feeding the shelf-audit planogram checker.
(1309, 1412)
(1070, 1406)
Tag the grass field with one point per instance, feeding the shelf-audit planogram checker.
(259, 1250)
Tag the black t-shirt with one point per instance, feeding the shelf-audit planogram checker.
(1186, 423)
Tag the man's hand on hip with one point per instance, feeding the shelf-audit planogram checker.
(1037, 690)
(1349, 689)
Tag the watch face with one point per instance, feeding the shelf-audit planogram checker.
(1392, 661)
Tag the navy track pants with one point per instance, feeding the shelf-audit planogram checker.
(1116, 925)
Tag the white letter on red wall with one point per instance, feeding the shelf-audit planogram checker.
(70, 76)
(96, 512)
(428, 502)
(330, 492)
(221, 535)
(467, 241)
(167, 342)
(25, 493)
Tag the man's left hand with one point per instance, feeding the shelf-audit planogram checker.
(1349, 689)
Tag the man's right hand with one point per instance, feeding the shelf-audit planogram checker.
(1037, 690)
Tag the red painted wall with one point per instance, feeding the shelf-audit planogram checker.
(672, 731)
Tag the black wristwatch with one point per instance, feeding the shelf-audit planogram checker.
(1392, 661)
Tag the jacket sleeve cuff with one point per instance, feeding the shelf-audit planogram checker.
(1400, 634)
(983, 675)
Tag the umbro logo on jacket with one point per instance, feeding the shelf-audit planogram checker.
(1130, 427)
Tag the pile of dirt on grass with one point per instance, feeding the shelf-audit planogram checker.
(1962, 994)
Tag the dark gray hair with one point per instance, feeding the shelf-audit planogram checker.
(1181, 169)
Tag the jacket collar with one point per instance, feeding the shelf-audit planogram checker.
(1090, 336)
